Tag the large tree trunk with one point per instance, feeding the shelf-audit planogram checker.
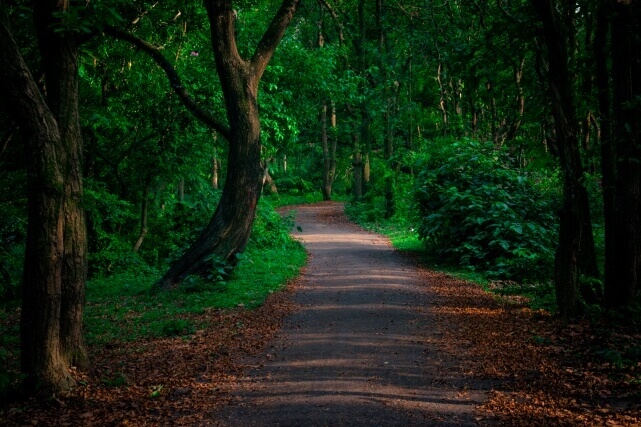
(59, 52)
(575, 223)
(45, 351)
(623, 282)
(228, 231)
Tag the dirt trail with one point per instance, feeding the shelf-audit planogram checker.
(356, 353)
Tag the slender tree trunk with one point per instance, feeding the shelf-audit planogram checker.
(334, 143)
(215, 167)
(228, 231)
(268, 182)
(144, 208)
(327, 177)
(608, 163)
(181, 189)
(575, 220)
(515, 123)
(442, 101)
(357, 165)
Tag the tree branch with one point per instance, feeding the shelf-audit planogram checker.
(272, 37)
(174, 80)
(337, 24)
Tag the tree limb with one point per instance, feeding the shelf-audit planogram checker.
(337, 23)
(272, 37)
(174, 79)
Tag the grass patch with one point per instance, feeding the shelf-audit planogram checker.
(121, 308)
(278, 200)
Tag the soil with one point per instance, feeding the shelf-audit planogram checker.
(359, 349)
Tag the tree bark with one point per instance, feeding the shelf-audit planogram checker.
(144, 208)
(44, 358)
(575, 223)
(228, 231)
(327, 177)
(59, 52)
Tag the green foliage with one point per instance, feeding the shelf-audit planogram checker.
(479, 212)
(13, 227)
(270, 230)
(122, 308)
(118, 380)
(293, 184)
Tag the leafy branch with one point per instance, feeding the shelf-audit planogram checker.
(174, 79)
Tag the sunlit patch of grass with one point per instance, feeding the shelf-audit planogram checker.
(278, 200)
(121, 308)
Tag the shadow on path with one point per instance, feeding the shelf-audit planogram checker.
(356, 353)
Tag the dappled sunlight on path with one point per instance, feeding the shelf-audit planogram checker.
(355, 353)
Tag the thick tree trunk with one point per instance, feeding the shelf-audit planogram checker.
(624, 280)
(228, 231)
(59, 52)
(43, 361)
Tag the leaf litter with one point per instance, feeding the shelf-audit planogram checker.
(545, 371)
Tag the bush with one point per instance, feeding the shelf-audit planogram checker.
(292, 184)
(269, 229)
(477, 211)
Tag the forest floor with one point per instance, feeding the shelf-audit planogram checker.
(365, 337)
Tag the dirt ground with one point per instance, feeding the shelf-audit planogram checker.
(356, 352)
(364, 338)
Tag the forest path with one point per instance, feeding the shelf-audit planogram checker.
(357, 352)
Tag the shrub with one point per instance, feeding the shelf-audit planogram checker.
(477, 211)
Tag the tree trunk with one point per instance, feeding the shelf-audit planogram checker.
(59, 52)
(181, 189)
(357, 165)
(228, 231)
(44, 357)
(327, 161)
(268, 182)
(144, 207)
(215, 167)
(575, 223)
(626, 69)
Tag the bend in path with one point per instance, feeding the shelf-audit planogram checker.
(356, 353)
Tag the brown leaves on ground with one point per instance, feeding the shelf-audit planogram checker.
(172, 381)
(545, 370)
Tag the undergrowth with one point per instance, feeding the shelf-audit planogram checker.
(121, 307)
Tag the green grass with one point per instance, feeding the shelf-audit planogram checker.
(122, 308)
(278, 200)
